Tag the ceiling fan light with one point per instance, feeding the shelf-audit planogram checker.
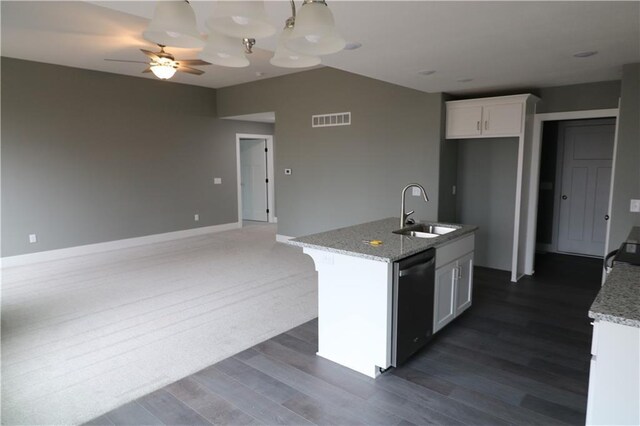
(174, 24)
(286, 58)
(315, 32)
(224, 51)
(241, 19)
(163, 71)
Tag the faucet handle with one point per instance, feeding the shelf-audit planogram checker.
(410, 213)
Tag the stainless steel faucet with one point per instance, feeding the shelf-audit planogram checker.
(403, 215)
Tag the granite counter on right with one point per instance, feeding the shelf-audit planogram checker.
(614, 377)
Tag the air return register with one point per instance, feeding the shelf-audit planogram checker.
(329, 120)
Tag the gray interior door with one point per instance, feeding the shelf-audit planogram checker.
(253, 173)
(586, 177)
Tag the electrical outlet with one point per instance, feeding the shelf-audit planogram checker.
(196, 217)
(33, 238)
(635, 206)
(287, 171)
(416, 192)
(217, 181)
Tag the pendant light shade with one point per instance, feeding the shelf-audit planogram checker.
(241, 19)
(225, 51)
(164, 68)
(315, 32)
(287, 58)
(174, 24)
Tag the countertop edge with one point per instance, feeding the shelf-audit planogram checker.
(614, 319)
(464, 230)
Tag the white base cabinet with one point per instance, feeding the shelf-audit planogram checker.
(614, 377)
(453, 282)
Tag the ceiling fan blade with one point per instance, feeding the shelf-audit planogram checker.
(150, 54)
(147, 70)
(193, 62)
(190, 70)
(124, 60)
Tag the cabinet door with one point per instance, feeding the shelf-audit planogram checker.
(463, 121)
(502, 119)
(444, 298)
(465, 283)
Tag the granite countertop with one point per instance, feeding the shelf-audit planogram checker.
(619, 299)
(394, 247)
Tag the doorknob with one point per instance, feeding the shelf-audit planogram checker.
(606, 217)
(564, 197)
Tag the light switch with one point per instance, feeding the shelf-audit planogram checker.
(415, 191)
(217, 181)
(453, 190)
(196, 217)
(635, 206)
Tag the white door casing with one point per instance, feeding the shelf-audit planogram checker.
(270, 175)
(253, 172)
(586, 178)
(534, 172)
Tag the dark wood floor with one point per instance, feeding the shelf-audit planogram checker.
(519, 355)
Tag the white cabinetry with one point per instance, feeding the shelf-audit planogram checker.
(453, 281)
(445, 295)
(614, 378)
(471, 119)
(502, 116)
(464, 121)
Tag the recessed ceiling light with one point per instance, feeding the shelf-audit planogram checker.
(428, 72)
(352, 45)
(585, 54)
(464, 80)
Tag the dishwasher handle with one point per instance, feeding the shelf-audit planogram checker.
(420, 267)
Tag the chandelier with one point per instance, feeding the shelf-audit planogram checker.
(234, 26)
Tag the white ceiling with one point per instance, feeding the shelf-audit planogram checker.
(500, 45)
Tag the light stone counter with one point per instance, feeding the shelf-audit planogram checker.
(350, 240)
(619, 299)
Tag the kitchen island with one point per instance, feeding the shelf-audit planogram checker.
(614, 376)
(356, 283)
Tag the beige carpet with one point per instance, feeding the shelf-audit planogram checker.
(84, 335)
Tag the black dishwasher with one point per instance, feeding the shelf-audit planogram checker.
(413, 291)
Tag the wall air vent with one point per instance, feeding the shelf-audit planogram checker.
(329, 120)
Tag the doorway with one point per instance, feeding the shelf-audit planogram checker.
(575, 184)
(255, 178)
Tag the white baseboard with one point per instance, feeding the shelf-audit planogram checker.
(283, 238)
(45, 256)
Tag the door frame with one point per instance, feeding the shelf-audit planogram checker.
(271, 216)
(556, 203)
(534, 183)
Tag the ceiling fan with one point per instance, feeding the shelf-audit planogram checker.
(164, 65)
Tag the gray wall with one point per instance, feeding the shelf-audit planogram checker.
(600, 95)
(448, 172)
(89, 157)
(348, 174)
(626, 179)
(487, 171)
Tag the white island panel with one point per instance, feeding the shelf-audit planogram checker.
(354, 310)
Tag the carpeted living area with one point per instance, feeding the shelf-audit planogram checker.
(84, 335)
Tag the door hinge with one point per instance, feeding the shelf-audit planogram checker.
(266, 150)
(267, 210)
(267, 180)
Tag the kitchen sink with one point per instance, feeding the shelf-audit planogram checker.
(425, 230)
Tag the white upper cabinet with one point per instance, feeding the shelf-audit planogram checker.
(464, 121)
(486, 117)
(502, 119)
